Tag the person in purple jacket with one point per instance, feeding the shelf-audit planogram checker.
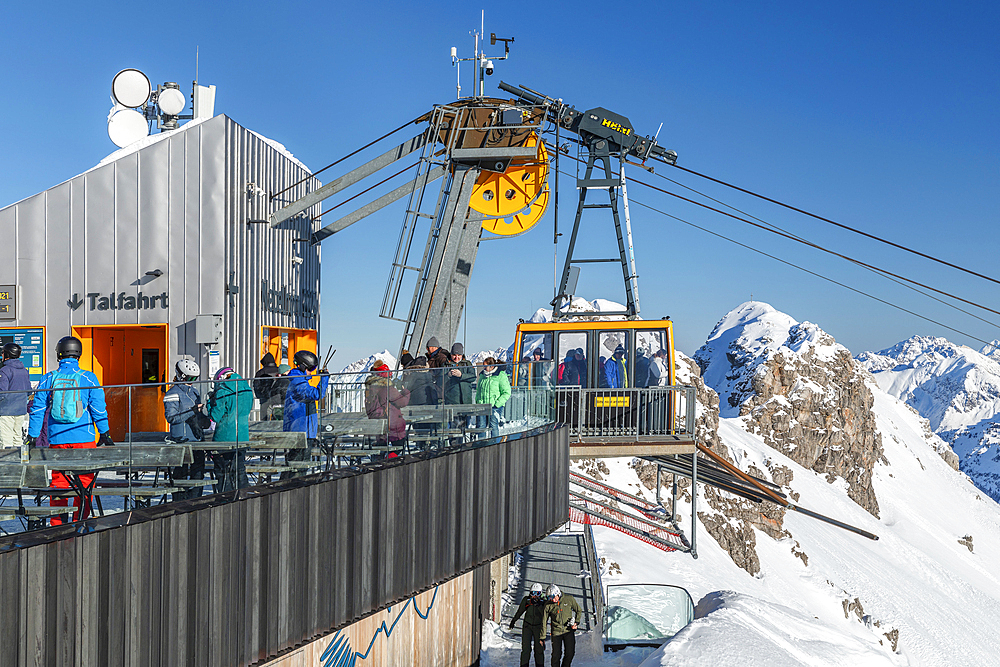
(13, 405)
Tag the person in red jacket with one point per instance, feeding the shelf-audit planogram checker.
(383, 401)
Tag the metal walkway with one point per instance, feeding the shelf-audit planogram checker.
(559, 559)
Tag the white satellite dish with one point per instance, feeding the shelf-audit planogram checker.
(127, 126)
(171, 101)
(130, 88)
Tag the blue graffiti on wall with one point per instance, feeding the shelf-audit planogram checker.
(340, 653)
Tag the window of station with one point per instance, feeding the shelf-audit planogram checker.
(648, 342)
(613, 360)
(573, 368)
(536, 367)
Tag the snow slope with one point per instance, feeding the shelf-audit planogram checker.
(825, 596)
(957, 389)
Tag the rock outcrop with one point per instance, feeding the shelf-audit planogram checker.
(800, 391)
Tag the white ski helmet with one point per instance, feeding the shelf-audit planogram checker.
(553, 591)
(187, 369)
(536, 589)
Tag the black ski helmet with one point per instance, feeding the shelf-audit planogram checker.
(306, 358)
(11, 351)
(69, 346)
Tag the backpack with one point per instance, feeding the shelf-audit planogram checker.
(562, 367)
(67, 405)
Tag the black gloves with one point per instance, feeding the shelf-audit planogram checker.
(30, 442)
(105, 440)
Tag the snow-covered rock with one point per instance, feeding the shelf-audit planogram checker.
(954, 387)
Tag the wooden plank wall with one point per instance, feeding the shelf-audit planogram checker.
(240, 582)
(421, 631)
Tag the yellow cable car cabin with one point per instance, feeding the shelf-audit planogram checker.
(612, 383)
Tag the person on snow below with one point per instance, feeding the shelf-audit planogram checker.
(69, 415)
(182, 408)
(229, 407)
(533, 608)
(558, 612)
(615, 371)
(493, 389)
(300, 412)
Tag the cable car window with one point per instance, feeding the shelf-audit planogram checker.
(613, 360)
(648, 343)
(537, 368)
(572, 369)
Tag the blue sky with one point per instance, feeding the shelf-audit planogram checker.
(882, 116)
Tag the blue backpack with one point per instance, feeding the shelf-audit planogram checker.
(67, 404)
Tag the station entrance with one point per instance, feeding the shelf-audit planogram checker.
(128, 354)
(283, 342)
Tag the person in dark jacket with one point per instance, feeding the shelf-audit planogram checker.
(641, 378)
(300, 412)
(229, 407)
(417, 380)
(13, 406)
(266, 387)
(460, 380)
(383, 401)
(532, 607)
(182, 408)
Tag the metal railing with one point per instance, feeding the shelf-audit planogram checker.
(626, 415)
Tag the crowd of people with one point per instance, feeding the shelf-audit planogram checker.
(611, 373)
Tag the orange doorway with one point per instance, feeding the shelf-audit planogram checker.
(283, 342)
(128, 354)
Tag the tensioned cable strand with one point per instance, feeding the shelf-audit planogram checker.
(352, 154)
(816, 246)
(832, 222)
(813, 273)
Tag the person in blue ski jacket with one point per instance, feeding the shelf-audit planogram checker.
(300, 412)
(69, 413)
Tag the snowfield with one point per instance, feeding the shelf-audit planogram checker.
(927, 593)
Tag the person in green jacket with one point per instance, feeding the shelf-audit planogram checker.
(559, 611)
(532, 607)
(229, 407)
(493, 389)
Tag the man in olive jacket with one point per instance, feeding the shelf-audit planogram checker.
(559, 611)
(533, 608)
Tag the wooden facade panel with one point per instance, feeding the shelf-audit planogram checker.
(232, 583)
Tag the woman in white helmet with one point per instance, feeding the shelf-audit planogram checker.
(182, 407)
(533, 608)
(564, 613)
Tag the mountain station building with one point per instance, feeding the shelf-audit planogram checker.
(162, 252)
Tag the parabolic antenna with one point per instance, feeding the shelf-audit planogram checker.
(130, 88)
(171, 101)
(127, 126)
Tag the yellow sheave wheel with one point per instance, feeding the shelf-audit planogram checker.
(522, 221)
(503, 195)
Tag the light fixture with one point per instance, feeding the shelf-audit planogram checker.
(156, 273)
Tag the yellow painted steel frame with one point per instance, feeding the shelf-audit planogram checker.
(602, 325)
(513, 201)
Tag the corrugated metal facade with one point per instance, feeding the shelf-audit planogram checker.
(180, 205)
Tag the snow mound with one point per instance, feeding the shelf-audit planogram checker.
(737, 629)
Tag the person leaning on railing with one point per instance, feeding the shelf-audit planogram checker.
(14, 387)
(69, 403)
(494, 390)
(182, 408)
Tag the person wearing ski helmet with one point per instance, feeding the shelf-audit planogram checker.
(533, 608)
(182, 408)
(69, 403)
(14, 405)
(563, 613)
(300, 413)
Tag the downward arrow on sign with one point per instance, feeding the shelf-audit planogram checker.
(75, 302)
